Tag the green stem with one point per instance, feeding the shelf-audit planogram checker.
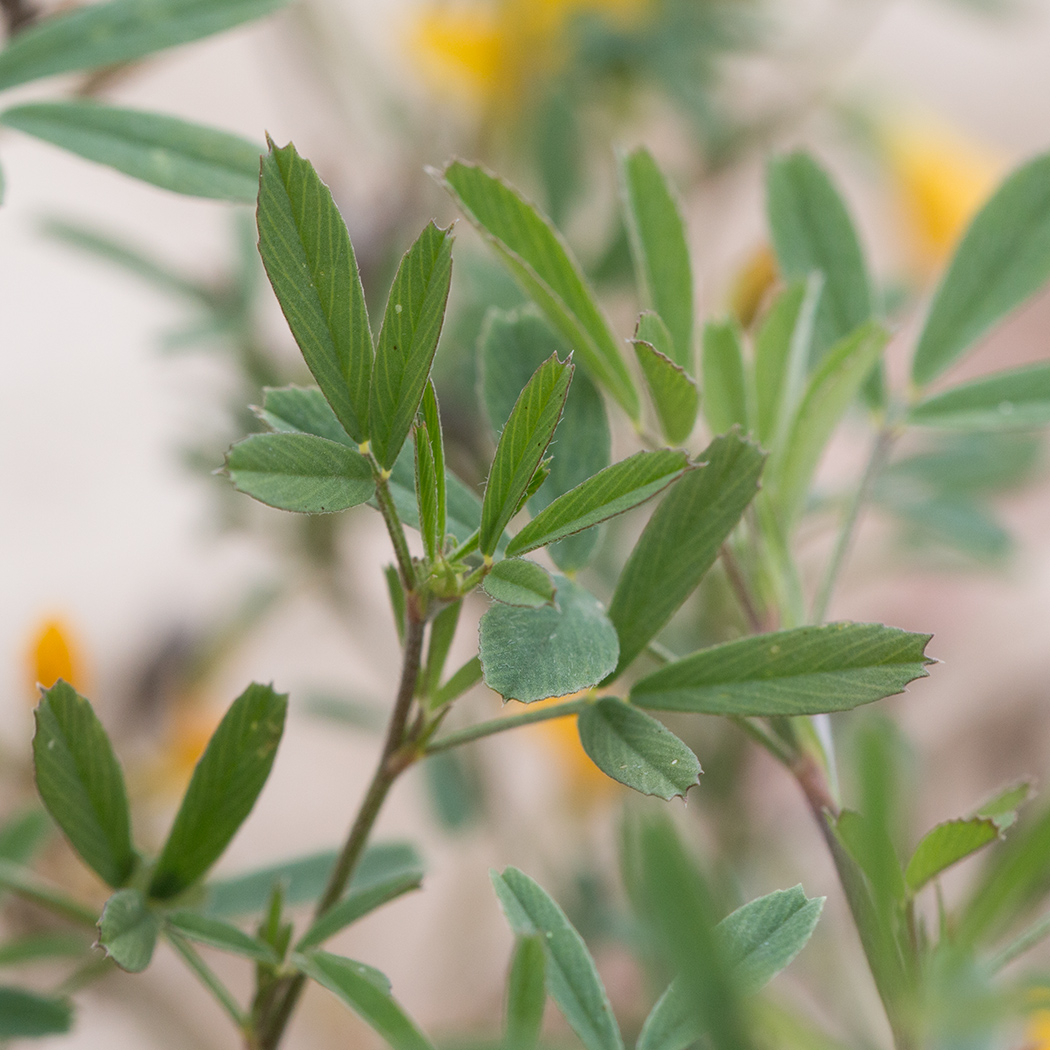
(25, 884)
(501, 725)
(468, 546)
(766, 740)
(385, 502)
(208, 978)
(740, 589)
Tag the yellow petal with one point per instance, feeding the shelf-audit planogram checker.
(52, 655)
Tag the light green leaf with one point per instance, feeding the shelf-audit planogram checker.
(23, 833)
(301, 410)
(672, 389)
(725, 385)
(81, 783)
(442, 632)
(426, 491)
(128, 930)
(637, 750)
(223, 789)
(542, 264)
(108, 34)
(658, 246)
(1003, 806)
(812, 231)
(958, 522)
(612, 491)
(947, 844)
(300, 472)
(165, 151)
(572, 979)
(415, 311)
(682, 540)
(802, 671)
(1003, 258)
(310, 262)
(526, 994)
(521, 446)
(431, 415)
(30, 1015)
(356, 985)
(1004, 401)
(531, 654)
(222, 935)
(43, 947)
(515, 581)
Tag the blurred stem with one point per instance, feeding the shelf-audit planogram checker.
(208, 978)
(501, 725)
(740, 589)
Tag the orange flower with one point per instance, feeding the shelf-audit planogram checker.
(52, 655)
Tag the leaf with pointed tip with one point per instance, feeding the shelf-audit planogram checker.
(128, 930)
(1003, 401)
(301, 410)
(426, 491)
(658, 245)
(542, 264)
(725, 388)
(947, 844)
(682, 540)
(222, 935)
(802, 671)
(515, 581)
(637, 750)
(81, 783)
(612, 491)
(526, 994)
(525, 438)
(306, 250)
(300, 472)
(30, 1015)
(672, 389)
(1003, 258)
(463, 507)
(572, 978)
(1003, 806)
(223, 789)
(431, 415)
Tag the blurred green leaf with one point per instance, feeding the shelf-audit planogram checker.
(672, 389)
(43, 947)
(30, 1015)
(945, 845)
(128, 930)
(300, 472)
(572, 978)
(515, 581)
(463, 679)
(870, 846)
(541, 262)
(222, 935)
(637, 750)
(1005, 401)
(1002, 807)
(725, 386)
(23, 833)
(526, 993)
(958, 522)
(225, 784)
(1003, 258)
(455, 789)
(81, 783)
(532, 654)
(805, 670)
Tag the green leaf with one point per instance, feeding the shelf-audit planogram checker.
(725, 386)
(526, 994)
(832, 388)
(521, 446)
(465, 678)
(1003, 258)
(945, 845)
(542, 264)
(1004, 401)
(958, 522)
(300, 472)
(532, 654)
(442, 632)
(802, 671)
(572, 979)
(80, 782)
(612, 491)
(637, 750)
(302, 410)
(165, 151)
(223, 789)
(426, 491)
(310, 261)
(658, 246)
(222, 935)
(515, 581)
(812, 231)
(29, 1015)
(415, 311)
(356, 985)
(128, 930)
(432, 420)
(357, 904)
(43, 947)
(23, 833)
(673, 391)
(682, 540)
(112, 33)
(1003, 806)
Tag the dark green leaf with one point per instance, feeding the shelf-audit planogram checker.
(128, 930)
(945, 845)
(310, 261)
(637, 750)
(526, 994)
(612, 491)
(531, 654)
(515, 581)
(521, 446)
(222, 935)
(658, 245)
(108, 34)
(541, 262)
(43, 947)
(165, 151)
(80, 782)
(415, 311)
(682, 540)
(672, 389)
(29, 1015)
(300, 472)
(223, 789)
(803, 671)
(1003, 258)
(302, 410)
(1004, 401)
(725, 386)
(812, 231)
(572, 979)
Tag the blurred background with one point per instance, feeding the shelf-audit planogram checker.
(138, 327)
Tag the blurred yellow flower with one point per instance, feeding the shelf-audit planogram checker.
(1037, 1034)
(187, 736)
(752, 284)
(52, 655)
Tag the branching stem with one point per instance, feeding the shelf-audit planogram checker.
(501, 725)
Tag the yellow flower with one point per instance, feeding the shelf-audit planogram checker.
(752, 284)
(52, 655)
(1037, 1033)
